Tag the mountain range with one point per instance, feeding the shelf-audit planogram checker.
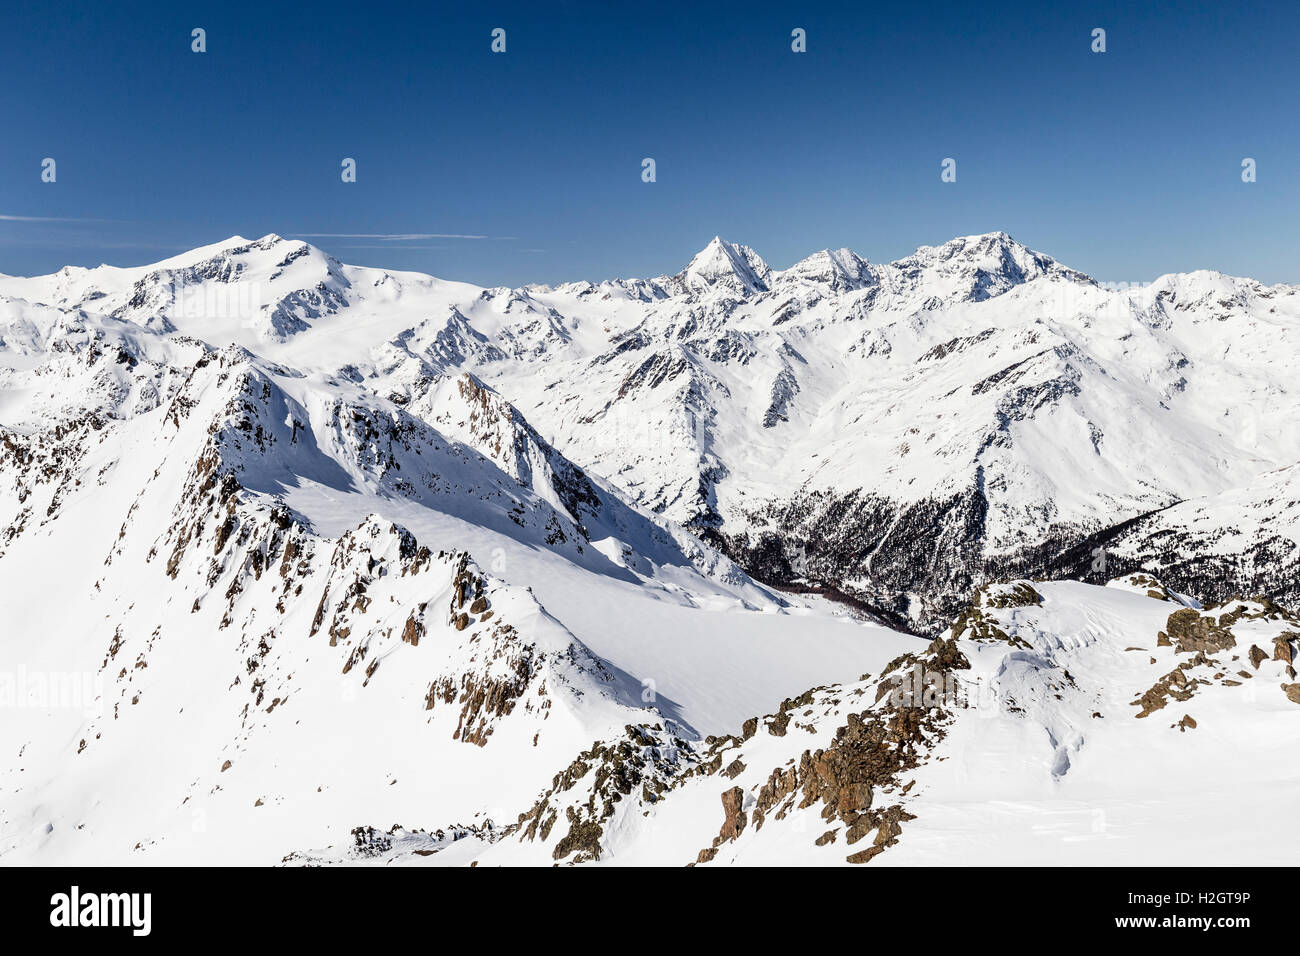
(965, 557)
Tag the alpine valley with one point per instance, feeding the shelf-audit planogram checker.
(964, 558)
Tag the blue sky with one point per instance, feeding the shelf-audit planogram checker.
(1125, 164)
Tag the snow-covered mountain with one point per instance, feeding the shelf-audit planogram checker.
(635, 571)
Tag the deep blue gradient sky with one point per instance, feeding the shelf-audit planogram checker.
(1124, 164)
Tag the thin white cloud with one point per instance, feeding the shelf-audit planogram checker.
(4, 218)
(393, 237)
(375, 245)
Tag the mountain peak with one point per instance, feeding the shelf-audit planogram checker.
(728, 265)
(837, 269)
(992, 261)
(981, 243)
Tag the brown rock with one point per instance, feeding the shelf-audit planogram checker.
(1153, 699)
(780, 784)
(734, 769)
(411, 633)
(886, 686)
(734, 823)
(861, 827)
(1282, 649)
(853, 797)
(862, 856)
(1257, 655)
(947, 655)
(1191, 632)
(1292, 692)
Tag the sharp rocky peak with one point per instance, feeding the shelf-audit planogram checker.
(727, 265)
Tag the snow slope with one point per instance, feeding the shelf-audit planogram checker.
(1053, 723)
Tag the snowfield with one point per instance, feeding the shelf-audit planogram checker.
(963, 558)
